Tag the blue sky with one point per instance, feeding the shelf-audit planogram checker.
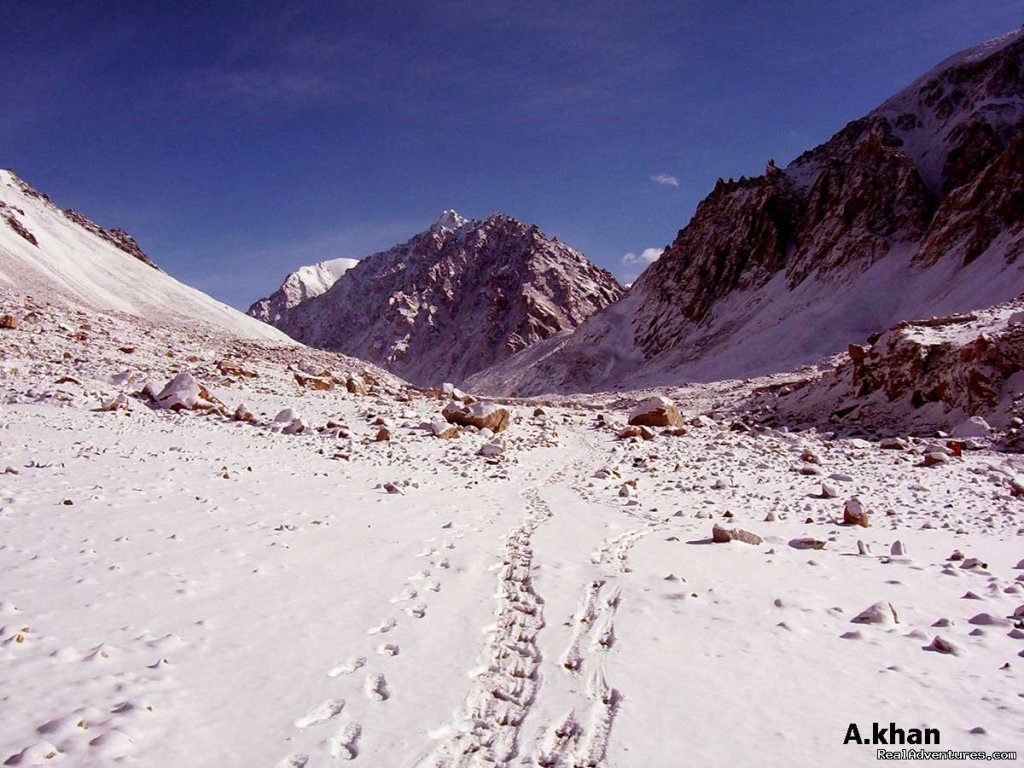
(238, 141)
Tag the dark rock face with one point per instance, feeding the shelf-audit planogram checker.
(455, 299)
(116, 237)
(938, 166)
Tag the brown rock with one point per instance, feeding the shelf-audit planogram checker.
(313, 382)
(721, 535)
(8, 322)
(656, 412)
(383, 435)
(855, 514)
(355, 385)
(480, 415)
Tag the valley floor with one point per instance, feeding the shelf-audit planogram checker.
(183, 590)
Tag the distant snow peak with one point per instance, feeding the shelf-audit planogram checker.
(449, 219)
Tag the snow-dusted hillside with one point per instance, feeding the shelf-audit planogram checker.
(49, 252)
(461, 296)
(914, 210)
(302, 284)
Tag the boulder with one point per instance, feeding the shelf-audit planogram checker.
(383, 435)
(855, 514)
(480, 415)
(721, 535)
(242, 413)
(183, 392)
(656, 412)
(444, 430)
(493, 449)
(356, 385)
(975, 426)
(314, 382)
(8, 322)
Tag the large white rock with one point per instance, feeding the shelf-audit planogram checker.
(184, 392)
(975, 426)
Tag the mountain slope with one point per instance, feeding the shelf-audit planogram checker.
(299, 286)
(46, 251)
(456, 298)
(910, 211)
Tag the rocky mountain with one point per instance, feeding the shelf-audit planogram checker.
(60, 255)
(456, 298)
(914, 210)
(299, 286)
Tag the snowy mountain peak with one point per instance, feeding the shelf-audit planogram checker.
(300, 285)
(456, 298)
(449, 219)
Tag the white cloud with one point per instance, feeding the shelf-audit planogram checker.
(665, 180)
(647, 256)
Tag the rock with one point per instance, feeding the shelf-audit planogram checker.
(288, 415)
(897, 549)
(862, 548)
(975, 426)
(1017, 485)
(879, 613)
(480, 415)
(314, 382)
(392, 488)
(493, 449)
(8, 323)
(242, 413)
(451, 391)
(444, 430)
(807, 542)
(383, 435)
(722, 535)
(183, 392)
(810, 456)
(893, 444)
(295, 427)
(855, 514)
(355, 385)
(934, 459)
(941, 645)
(538, 412)
(829, 491)
(656, 412)
(119, 403)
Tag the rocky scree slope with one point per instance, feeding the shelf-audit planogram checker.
(915, 209)
(454, 299)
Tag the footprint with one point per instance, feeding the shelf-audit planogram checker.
(321, 713)
(383, 628)
(417, 611)
(432, 586)
(377, 687)
(391, 649)
(344, 744)
(347, 667)
(406, 594)
(294, 761)
(419, 575)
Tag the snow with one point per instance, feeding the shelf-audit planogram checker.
(84, 269)
(190, 590)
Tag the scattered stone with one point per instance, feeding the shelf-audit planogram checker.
(722, 535)
(934, 459)
(480, 415)
(829, 491)
(855, 514)
(392, 488)
(493, 449)
(807, 542)
(383, 435)
(242, 413)
(940, 645)
(183, 392)
(9, 323)
(879, 613)
(897, 549)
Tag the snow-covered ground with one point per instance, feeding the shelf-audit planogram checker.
(183, 589)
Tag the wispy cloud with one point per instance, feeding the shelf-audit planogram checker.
(665, 180)
(645, 257)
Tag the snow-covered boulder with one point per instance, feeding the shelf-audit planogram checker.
(184, 392)
(656, 412)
